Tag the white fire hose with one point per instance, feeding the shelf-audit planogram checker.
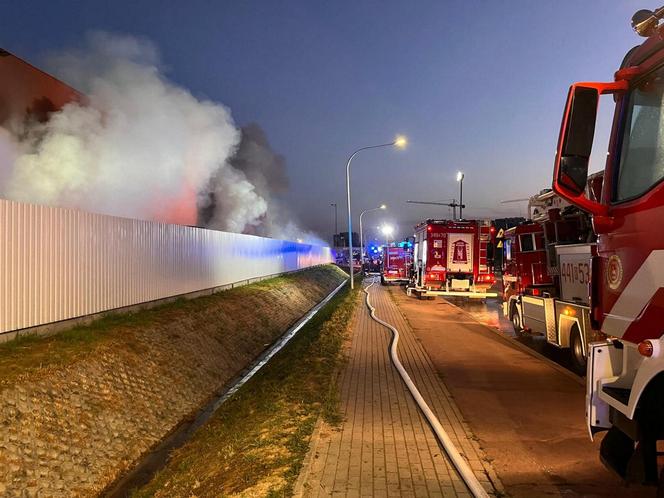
(461, 465)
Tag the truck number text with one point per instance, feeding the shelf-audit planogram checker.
(575, 272)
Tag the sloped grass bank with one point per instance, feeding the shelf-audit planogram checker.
(255, 444)
(77, 409)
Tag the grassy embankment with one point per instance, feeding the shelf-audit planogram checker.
(255, 444)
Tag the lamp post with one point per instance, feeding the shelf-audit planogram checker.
(399, 142)
(459, 179)
(382, 206)
(336, 226)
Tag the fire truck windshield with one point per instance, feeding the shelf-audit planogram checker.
(642, 161)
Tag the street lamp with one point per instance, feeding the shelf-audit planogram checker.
(382, 206)
(459, 179)
(400, 142)
(336, 226)
(387, 231)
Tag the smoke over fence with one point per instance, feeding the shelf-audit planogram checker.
(143, 147)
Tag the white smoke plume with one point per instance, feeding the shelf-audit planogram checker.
(141, 147)
(265, 169)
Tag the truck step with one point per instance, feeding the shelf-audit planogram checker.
(618, 393)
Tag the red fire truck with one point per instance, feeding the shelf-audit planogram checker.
(625, 376)
(453, 258)
(396, 265)
(546, 274)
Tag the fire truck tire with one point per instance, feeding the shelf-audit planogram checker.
(650, 416)
(616, 450)
(382, 280)
(515, 318)
(579, 361)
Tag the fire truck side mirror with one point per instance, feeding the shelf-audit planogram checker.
(576, 140)
(578, 137)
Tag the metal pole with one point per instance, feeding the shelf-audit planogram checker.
(361, 244)
(336, 227)
(454, 205)
(350, 221)
(336, 223)
(461, 199)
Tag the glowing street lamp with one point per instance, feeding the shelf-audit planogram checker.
(387, 231)
(459, 178)
(382, 206)
(400, 142)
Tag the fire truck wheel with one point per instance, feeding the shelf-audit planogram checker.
(515, 318)
(650, 414)
(576, 350)
(382, 280)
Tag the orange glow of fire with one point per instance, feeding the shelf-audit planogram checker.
(180, 210)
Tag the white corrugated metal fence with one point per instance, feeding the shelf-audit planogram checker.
(57, 264)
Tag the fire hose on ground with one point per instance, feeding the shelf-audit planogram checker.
(458, 461)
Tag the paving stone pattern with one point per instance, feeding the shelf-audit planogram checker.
(385, 447)
(72, 430)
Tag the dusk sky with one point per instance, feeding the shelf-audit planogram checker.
(476, 86)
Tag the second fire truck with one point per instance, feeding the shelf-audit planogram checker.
(396, 265)
(546, 275)
(453, 258)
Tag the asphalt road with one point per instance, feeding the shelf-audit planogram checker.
(527, 413)
(490, 313)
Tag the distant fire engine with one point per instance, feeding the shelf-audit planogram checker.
(397, 262)
(625, 376)
(546, 275)
(453, 258)
(372, 259)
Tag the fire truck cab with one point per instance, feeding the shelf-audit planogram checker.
(453, 258)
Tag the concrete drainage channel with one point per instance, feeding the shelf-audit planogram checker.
(158, 456)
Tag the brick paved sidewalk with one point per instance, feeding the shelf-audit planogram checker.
(384, 446)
